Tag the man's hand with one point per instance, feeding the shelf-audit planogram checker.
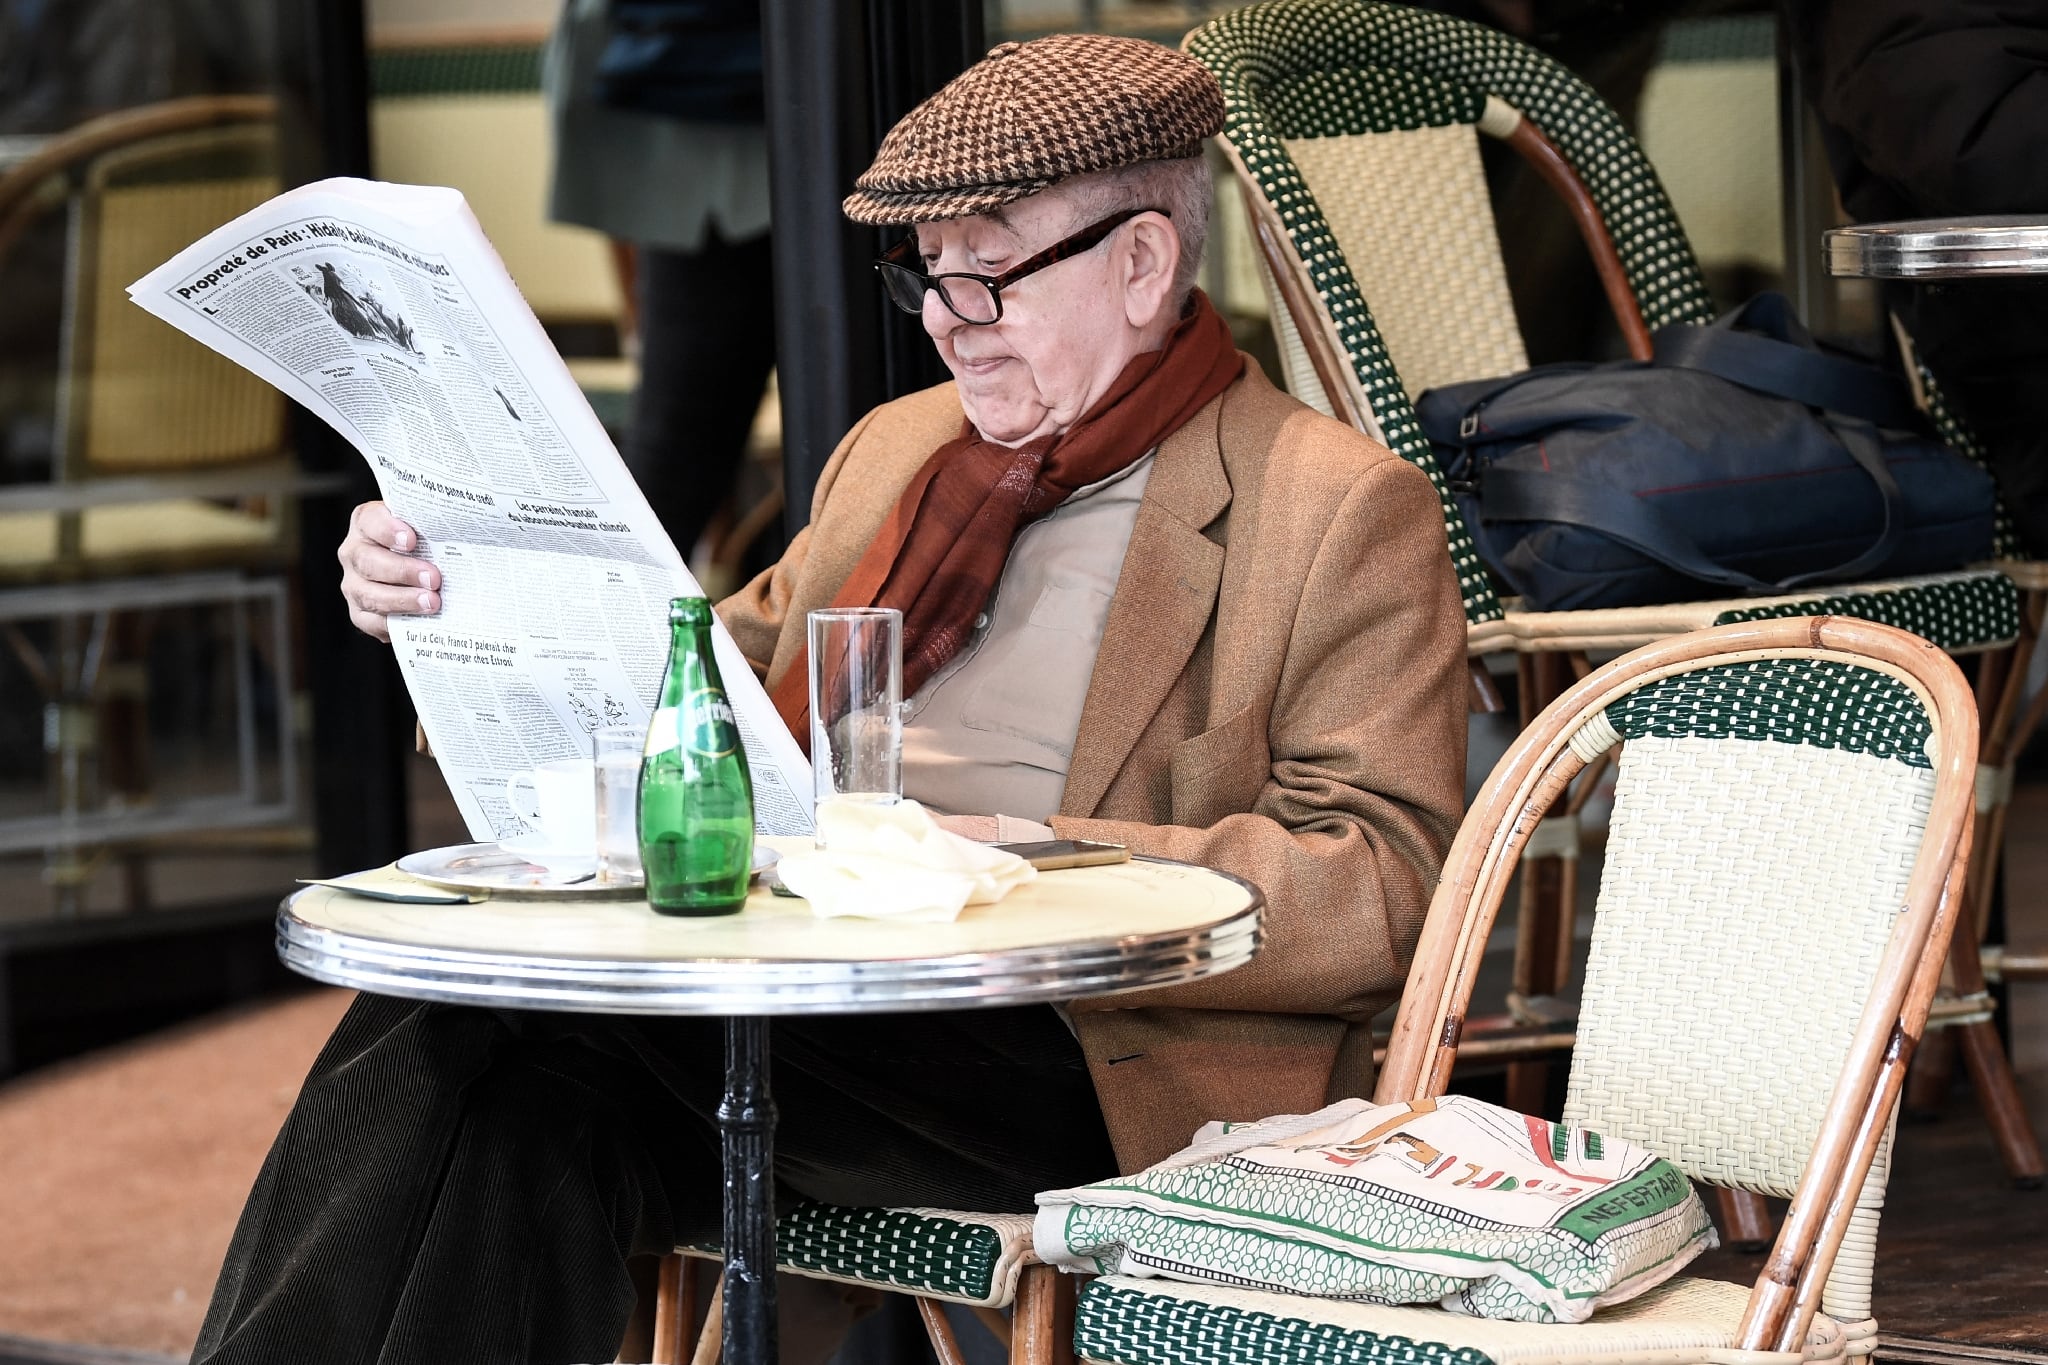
(380, 576)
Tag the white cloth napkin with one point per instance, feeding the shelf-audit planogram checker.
(893, 862)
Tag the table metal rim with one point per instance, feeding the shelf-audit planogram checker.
(1952, 249)
(734, 986)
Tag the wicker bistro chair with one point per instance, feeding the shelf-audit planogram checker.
(195, 441)
(1337, 111)
(981, 1260)
(1793, 815)
(172, 479)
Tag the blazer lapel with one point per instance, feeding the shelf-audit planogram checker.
(1165, 596)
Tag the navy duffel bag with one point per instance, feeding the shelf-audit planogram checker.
(1741, 460)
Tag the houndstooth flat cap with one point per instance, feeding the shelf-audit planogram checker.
(1031, 114)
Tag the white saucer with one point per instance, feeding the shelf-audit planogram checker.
(561, 864)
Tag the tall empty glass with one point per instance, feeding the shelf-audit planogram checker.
(857, 703)
(617, 749)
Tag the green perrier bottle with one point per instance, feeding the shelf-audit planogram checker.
(696, 799)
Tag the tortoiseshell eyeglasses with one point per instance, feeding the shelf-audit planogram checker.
(979, 298)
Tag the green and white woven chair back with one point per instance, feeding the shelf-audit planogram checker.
(1308, 84)
(1438, 285)
(1767, 816)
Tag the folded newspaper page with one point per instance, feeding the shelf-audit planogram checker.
(384, 309)
(1450, 1201)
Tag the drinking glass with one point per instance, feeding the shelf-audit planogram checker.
(617, 750)
(857, 704)
(560, 810)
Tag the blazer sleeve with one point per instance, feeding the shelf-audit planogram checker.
(1347, 835)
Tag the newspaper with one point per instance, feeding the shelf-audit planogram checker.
(384, 309)
(1450, 1201)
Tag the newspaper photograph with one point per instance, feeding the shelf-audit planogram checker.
(384, 309)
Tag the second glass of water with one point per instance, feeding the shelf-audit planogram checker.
(617, 749)
(857, 703)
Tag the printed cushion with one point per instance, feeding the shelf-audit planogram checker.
(1451, 1201)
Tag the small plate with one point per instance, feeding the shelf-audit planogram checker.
(506, 875)
(502, 872)
(564, 865)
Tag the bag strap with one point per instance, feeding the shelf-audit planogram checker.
(1787, 370)
(1528, 495)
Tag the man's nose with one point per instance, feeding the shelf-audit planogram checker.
(939, 320)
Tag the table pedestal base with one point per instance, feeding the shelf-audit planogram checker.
(746, 1121)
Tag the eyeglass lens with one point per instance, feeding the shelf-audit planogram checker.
(970, 299)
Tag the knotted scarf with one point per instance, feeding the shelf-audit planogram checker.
(942, 549)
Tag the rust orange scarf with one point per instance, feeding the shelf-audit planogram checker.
(938, 556)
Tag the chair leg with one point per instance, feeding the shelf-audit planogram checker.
(675, 1305)
(944, 1344)
(1991, 1077)
(1991, 1072)
(1543, 924)
(711, 1341)
(1932, 1071)
(1745, 1218)
(1042, 1323)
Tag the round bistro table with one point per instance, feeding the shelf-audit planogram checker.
(1939, 249)
(1069, 933)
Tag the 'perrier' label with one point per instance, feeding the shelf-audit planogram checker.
(696, 798)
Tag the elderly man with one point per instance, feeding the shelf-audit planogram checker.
(1147, 598)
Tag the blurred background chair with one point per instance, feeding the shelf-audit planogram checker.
(1758, 980)
(172, 485)
(1354, 133)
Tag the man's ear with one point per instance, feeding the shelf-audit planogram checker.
(1154, 257)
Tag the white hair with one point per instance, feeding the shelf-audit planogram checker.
(1181, 189)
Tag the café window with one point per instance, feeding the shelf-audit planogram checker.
(154, 694)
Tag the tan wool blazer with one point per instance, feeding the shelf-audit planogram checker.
(1280, 694)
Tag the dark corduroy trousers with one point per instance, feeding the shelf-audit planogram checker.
(461, 1185)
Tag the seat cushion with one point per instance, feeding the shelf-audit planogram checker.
(123, 536)
(1123, 1321)
(971, 1258)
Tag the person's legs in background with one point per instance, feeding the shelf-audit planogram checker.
(707, 344)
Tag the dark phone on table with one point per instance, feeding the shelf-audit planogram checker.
(1056, 853)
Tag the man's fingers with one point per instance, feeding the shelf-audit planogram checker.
(375, 523)
(379, 578)
(384, 600)
(365, 561)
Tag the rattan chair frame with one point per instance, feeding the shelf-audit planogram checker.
(1541, 764)
(1551, 647)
